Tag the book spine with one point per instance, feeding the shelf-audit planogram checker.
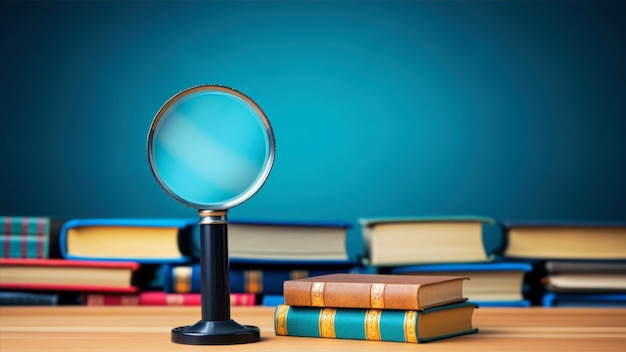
(24, 225)
(354, 324)
(24, 246)
(242, 299)
(101, 299)
(8, 298)
(169, 299)
(186, 279)
(24, 237)
(66, 287)
(351, 295)
(158, 298)
(262, 281)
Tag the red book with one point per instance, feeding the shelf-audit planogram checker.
(158, 298)
(67, 275)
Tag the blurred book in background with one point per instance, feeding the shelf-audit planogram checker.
(498, 284)
(420, 240)
(548, 240)
(29, 237)
(578, 263)
(141, 240)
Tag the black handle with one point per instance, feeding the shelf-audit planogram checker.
(214, 281)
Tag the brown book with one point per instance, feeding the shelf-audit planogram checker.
(406, 292)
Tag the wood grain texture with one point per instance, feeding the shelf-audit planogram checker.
(72, 328)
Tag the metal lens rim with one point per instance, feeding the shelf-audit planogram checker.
(250, 191)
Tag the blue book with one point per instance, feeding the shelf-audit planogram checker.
(266, 279)
(148, 241)
(21, 298)
(375, 324)
(272, 300)
(559, 239)
(552, 299)
(490, 284)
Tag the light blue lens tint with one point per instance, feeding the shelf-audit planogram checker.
(211, 147)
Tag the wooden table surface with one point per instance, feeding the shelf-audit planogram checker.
(74, 328)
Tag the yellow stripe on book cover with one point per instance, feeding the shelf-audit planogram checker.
(253, 281)
(372, 325)
(182, 279)
(280, 320)
(327, 322)
(410, 326)
(377, 294)
(298, 274)
(317, 294)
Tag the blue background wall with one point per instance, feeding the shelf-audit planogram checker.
(500, 108)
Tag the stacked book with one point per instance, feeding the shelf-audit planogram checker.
(143, 261)
(581, 263)
(448, 246)
(89, 261)
(375, 307)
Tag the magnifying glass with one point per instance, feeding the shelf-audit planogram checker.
(211, 148)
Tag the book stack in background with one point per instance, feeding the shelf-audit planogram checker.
(167, 250)
(26, 240)
(156, 261)
(375, 307)
(448, 245)
(265, 254)
(112, 259)
(138, 261)
(580, 263)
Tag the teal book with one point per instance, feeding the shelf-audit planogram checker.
(24, 225)
(393, 241)
(376, 324)
(24, 237)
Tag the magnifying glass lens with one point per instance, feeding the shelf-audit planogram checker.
(210, 148)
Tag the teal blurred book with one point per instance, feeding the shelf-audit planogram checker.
(407, 326)
(29, 237)
(394, 241)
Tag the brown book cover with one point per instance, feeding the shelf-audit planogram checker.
(406, 292)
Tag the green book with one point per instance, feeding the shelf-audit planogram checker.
(376, 324)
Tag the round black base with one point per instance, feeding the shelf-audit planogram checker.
(227, 332)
